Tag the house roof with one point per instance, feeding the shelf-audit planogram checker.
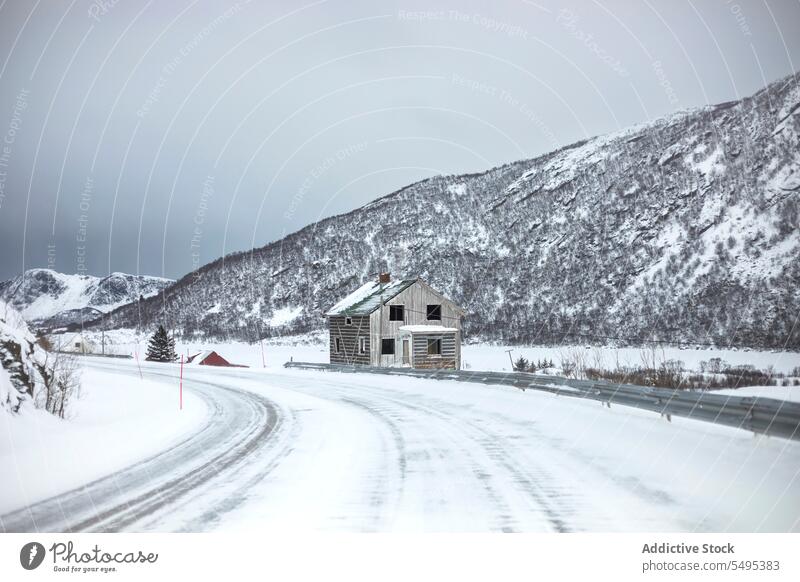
(427, 329)
(367, 298)
(211, 358)
(197, 358)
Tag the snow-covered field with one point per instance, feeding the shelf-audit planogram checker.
(312, 348)
(276, 449)
(479, 356)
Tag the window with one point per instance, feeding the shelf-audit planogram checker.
(348, 321)
(387, 346)
(362, 345)
(338, 345)
(435, 312)
(77, 344)
(435, 347)
(397, 313)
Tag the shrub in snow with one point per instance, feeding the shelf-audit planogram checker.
(521, 365)
(161, 347)
(62, 381)
(713, 366)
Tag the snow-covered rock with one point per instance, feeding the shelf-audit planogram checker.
(22, 362)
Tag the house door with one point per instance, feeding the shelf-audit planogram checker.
(406, 358)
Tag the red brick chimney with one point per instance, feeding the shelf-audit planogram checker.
(384, 278)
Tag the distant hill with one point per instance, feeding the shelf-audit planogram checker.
(684, 229)
(50, 299)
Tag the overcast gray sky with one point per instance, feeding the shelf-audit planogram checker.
(153, 137)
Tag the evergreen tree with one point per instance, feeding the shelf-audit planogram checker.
(521, 365)
(161, 347)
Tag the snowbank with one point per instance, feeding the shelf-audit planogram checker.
(8, 393)
(118, 420)
(790, 393)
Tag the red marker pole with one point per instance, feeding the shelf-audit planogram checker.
(181, 387)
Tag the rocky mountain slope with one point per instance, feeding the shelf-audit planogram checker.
(50, 299)
(681, 230)
(22, 362)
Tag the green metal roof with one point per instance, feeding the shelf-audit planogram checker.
(367, 298)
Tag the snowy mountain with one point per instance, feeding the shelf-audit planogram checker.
(48, 298)
(683, 229)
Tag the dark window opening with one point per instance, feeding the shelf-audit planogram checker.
(338, 345)
(397, 313)
(387, 346)
(348, 321)
(435, 347)
(435, 312)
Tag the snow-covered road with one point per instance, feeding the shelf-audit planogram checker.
(237, 424)
(298, 450)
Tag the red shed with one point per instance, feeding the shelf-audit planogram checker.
(211, 358)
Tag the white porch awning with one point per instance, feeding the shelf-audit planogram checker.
(432, 329)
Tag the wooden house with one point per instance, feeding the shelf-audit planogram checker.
(396, 323)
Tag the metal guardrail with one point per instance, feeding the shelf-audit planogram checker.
(760, 415)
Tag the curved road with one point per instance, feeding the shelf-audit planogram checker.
(239, 425)
(290, 449)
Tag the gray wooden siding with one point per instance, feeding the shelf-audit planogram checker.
(448, 357)
(349, 335)
(415, 299)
